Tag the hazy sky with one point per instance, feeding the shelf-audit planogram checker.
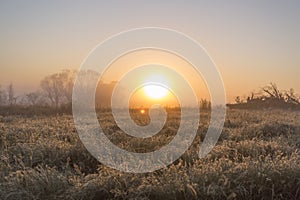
(252, 43)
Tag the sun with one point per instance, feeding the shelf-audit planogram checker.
(155, 91)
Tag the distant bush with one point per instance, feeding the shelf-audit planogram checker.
(269, 97)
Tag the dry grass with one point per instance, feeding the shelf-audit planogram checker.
(257, 157)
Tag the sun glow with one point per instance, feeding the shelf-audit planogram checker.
(155, 91)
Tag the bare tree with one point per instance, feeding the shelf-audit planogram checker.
(104, 93)
(291, 97)
(3, 97)
(205, 104)
(58, 87)
(273, 92)
(32, 98)
(11, 95)
(69, 79)
(51, 85)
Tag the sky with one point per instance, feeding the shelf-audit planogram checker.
(253, 43)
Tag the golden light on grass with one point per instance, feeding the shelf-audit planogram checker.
(142, 111)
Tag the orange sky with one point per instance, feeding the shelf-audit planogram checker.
(135, 59)
(252, 43)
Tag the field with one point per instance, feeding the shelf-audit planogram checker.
(256, 157)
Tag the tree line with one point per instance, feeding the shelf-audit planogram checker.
(55, 91)
(269, 96)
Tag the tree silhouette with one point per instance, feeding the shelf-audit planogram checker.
(58, 87)
(11, 95)
(32, 98)
(3, 97)
(270, 97)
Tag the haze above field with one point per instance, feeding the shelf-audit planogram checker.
(252, 43)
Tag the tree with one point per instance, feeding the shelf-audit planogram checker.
(69, 77)
(58, 87)
(273, 92)
(291, 97)
(205, 104)
(11, 95)
(104, 93)
(32, 98)
(3, 97)
(270, 97)
(238, 100)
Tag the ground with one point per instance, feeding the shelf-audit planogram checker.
(257, 157)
